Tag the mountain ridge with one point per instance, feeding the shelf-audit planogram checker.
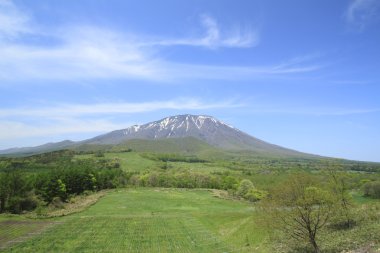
(202, 127)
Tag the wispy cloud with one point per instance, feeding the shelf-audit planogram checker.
(88, 52)
(311, 111)
(214, 37)
(83, 52)
(110, 59)
(76, 110)
(13, 130)
(13, 22)
(360, 13)
(72, 119)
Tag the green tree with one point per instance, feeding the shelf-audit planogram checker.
(244, 187)
(4, 191)
(343, 199)
(55, 188)
(229, 182)
(372, 189)
(90, 182)
(300, 208)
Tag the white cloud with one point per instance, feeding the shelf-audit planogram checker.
(84, 52)
(79, 110)
(215, 38)
(77, 119)
(13, 22)
(361, 13)
(87, 52)
(12, 130)
(92, 53)
(311, 111)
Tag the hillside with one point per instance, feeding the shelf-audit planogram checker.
(181, 133)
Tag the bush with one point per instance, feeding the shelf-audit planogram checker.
(18, 204)
(56, 203)
(255, 195)
(30, 202)
(248, 191)
(244, 187)
(372, 189)
(14, 205)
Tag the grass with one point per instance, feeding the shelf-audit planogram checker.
(75, 205)
(132, 161)
(15, 229)
(360, 199)
(154, 220)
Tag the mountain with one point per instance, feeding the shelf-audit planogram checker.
(51, 146)
(207, 129)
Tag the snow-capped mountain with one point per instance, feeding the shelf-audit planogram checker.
(205, 128)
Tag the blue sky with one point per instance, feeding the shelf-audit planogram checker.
(301, 74)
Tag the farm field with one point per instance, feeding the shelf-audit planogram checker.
(153, 220)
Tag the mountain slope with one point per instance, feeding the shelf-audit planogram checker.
(48, 147)
(208, 130)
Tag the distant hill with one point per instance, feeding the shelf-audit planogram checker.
(52, 146)
(172, 134)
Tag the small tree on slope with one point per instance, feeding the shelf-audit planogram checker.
(300, 208)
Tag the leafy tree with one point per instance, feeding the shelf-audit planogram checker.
(255, 195)
(372, 189)
(244, 187)
(248, 191)
(4, 191)
(90, 182)
(300, 208)
(229, 182)
(15, 192)
(343, 199)
(55, 188)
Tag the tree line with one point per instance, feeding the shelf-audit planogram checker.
(23, 191)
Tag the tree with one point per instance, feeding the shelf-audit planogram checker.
(343, 199)
(372, 189)
(248, 191)
(229, 182)
(4, 191)
(55, 188)
(244, 187)
(300, 208)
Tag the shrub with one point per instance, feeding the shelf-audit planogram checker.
(244, 187)
(56, 203)
(255, 195)
(372, 189)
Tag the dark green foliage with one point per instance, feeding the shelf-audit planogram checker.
(51, 176)
(372, 189)
(55, 188)
(77, 177)
(15, 192)
(173, 158)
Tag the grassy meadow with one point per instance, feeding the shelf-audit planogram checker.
(139, 201)
(152, 220)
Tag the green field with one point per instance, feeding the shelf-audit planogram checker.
(158, 202)
(153, 220)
